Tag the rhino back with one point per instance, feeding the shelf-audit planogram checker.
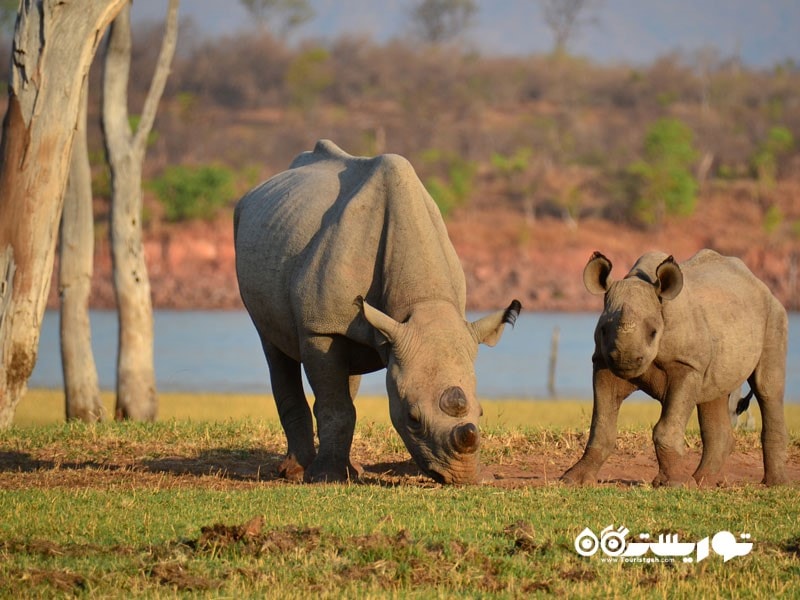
(722, 317)
(331, 228)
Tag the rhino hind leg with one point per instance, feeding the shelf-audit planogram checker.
(768, 382)
(717, 435)
(293, 411)
(326, 364)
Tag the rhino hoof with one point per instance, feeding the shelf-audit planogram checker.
(320, 473)
(663, 481)
(771, 480)
(575, 476)
(291, 470)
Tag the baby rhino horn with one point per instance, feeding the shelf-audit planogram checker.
(466, 438)
(453, 402)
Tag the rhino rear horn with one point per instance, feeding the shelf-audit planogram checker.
(453, 402)
(466, 438)
(596, 274)
(379, 320)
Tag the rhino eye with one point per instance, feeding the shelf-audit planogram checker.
(414, 417)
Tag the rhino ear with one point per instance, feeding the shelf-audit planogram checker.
(596, 274)
(669, 279)
(489, 329)
(379, 320)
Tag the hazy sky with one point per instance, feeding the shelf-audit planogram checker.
(762, 32)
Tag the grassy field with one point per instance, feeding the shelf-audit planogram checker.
(167, 510)
(42, 407)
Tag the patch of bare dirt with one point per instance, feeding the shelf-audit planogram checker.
(530, 464)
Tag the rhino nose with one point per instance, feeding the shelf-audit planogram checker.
(453, 402)
(466, 438)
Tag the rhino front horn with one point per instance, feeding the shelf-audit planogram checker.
(466, 438)
(453, 402)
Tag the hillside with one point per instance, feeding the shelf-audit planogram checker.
(538, 162)
(504, 255)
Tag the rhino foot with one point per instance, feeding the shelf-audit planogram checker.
(326, 472)
(290, 469)
(707, 479)
(579, 475)
(779, 479)
(662, 480)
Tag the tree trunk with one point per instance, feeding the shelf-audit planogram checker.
(136, 385)
(76, 253)
(54, 42)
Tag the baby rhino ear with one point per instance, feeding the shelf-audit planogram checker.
(596, 274)
(669, 279)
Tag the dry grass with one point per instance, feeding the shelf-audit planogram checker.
(41, 407)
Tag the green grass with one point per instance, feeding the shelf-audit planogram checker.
(176, 509)
(340, 540)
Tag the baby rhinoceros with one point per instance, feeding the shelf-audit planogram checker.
(687, 335)
(345, 267)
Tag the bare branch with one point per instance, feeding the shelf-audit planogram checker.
(160, 76)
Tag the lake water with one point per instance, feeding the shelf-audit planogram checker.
(219, 351)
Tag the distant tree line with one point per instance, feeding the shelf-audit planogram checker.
(548, 134)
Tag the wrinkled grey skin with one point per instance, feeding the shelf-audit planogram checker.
(345, 266)
(687, 335)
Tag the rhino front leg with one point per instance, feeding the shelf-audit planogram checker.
(609, 392)
(327, 367)
(295, 416)
(668, 434)
(717, 435)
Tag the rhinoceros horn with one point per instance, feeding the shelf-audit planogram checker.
(453, 402)
(466, 438)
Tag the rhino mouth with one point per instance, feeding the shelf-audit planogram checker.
(627, 372)
(447, 474)
(436, 476)
(626, 367)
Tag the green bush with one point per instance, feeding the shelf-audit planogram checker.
(773, 218)
(453, 185)
(308, 76)
(778, 143)
(193, 192)
(662, 181)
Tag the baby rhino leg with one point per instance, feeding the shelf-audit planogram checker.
(668, 434)
(717, 435)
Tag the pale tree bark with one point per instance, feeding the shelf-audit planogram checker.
(76, 257)
(54, 43)
(136, 382)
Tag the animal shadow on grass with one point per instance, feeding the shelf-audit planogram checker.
(227, 463)
(22, 462)
(243, 465)
(263, 465)
(394, 473)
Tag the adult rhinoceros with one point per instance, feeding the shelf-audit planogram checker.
(687, 335)
(345, 266)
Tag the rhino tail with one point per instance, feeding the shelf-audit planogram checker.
(744, 403)
(512, 312)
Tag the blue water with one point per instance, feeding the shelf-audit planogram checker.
(219, 351)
